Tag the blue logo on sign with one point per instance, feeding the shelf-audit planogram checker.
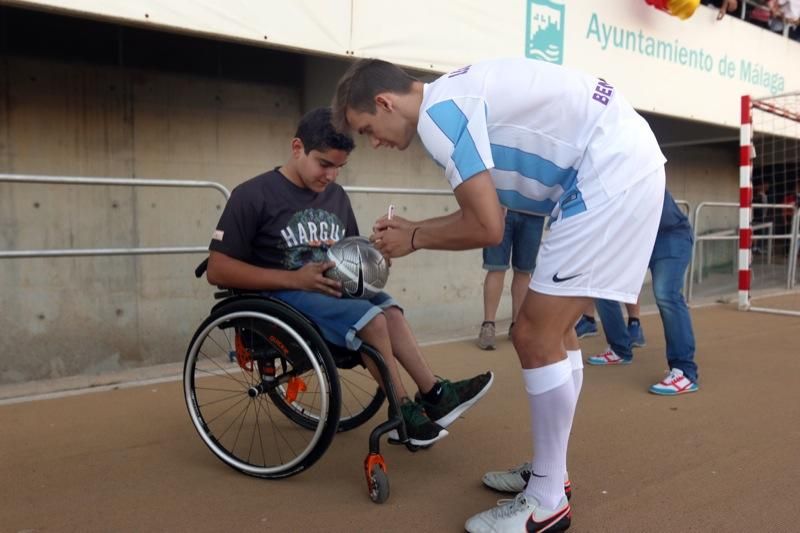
(545, 31)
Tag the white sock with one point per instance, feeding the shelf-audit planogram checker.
(551, 396)
(576, 358)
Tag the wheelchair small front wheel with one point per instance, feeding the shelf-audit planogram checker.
(378, 485)
(241, 354)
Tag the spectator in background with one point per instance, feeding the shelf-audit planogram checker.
(786, 12)
(725, 6)
(521, 238)
(671, 255)
(587, 325)
(757, 12)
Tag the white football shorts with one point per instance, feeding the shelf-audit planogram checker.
(604, 251)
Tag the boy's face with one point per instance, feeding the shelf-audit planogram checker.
(318, 168)
(385, 128)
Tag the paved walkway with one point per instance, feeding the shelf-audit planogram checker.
(724, 459)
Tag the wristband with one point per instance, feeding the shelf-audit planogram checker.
(413, 234)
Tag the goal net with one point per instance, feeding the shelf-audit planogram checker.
(769, 204)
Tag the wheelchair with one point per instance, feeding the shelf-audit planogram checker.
(267, 394)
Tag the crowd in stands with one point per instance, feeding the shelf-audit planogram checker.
(780, 16)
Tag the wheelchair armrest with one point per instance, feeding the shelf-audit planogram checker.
(227, 292)
(224, 292)
(201, 268)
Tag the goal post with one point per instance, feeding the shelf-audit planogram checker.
(769, 204)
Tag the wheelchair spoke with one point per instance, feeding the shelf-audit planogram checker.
(220, 367)
(212, 389)
(244, 417)
(257, 428)
(350, 385)
(226, 398)
(222, 349)
(274, 435)
(315, 396)
(209, 422)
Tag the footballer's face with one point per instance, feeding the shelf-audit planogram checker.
(386, 127)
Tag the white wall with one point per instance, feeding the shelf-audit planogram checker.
(693, 69)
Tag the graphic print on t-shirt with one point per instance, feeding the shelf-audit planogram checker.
(307, 236)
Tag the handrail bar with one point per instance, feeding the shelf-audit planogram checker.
(135, 182)
(77, 180)
(697, 238)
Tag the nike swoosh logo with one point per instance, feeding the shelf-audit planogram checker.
(532, 525)
(556, 279)
(360, 289)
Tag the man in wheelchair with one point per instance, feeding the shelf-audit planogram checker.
(269, 239)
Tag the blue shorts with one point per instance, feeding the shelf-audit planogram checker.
(523, 234)
(338, 319)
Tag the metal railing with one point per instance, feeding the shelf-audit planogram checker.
(732, 235)
(794, 247)
(393, 190)
(135, 182)
(687, 210)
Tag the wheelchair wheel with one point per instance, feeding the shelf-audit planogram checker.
(361, 399)
(243, 353)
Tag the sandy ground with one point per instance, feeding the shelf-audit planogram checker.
(723, 459)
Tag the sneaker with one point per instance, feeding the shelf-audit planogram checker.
(585, 328)
(457, 398)
(675, 383)
(420, 429)
(486, 336)
(523, 513)
(515, 480)
(637, 334)
(608, 358)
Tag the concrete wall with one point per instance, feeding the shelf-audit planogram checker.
(71, 316)
(709, 173)
(66, 316)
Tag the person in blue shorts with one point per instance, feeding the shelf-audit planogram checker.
(671, 256)
(270, 237)
(521, 238)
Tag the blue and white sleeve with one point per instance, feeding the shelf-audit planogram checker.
(455, 134)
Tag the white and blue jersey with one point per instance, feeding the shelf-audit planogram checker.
(555, 141)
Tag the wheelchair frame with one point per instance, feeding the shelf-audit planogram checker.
(301, 341)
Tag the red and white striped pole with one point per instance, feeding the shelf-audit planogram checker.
(745, 203)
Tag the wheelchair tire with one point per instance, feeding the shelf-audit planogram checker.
(243, 351)
(378, 485)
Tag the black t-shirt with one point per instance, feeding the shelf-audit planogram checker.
(269, 222)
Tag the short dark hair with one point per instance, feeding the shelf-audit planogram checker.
(358, 87)
(316, 132)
